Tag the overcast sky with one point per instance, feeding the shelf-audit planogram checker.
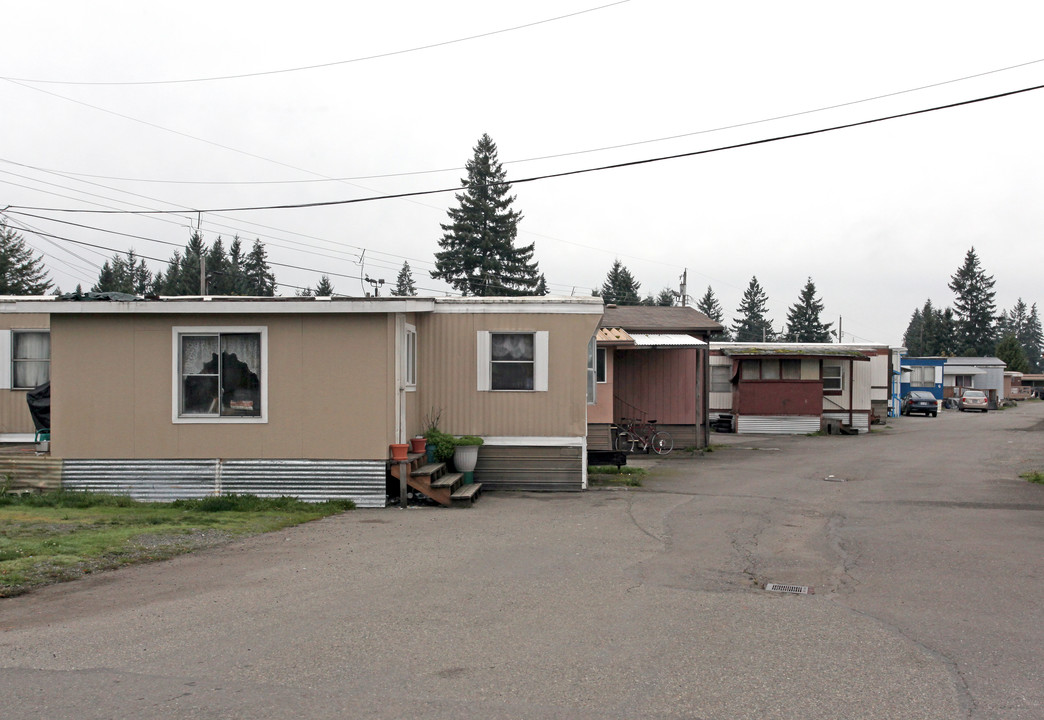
(879, 216)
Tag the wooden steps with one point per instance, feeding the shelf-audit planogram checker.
(432, 479)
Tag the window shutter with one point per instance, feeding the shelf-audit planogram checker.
(5, 359)
(482, 359)
(540, 361)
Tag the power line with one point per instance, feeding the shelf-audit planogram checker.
(549, 176)
(554, 156)
(335, 63)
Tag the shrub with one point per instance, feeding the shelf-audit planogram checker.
(468, 440)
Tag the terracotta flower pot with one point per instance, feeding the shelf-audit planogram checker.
(398, 451)
(417, 444)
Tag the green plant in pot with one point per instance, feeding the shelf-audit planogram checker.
(440, 445)
(465, 456)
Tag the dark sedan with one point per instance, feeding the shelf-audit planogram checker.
(919, 401)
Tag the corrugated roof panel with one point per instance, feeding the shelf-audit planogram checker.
(665, 340)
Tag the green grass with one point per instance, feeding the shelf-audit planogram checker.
(1036, 476)
(59, 536)
(612, 475)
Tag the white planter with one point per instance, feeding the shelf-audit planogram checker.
(465, 457)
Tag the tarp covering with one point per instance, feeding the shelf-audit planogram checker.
(39, 399)
(100, 296)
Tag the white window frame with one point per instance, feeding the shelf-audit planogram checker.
(410, 358)
(840, 377)
(920, 371)
(485, 362)
(15, 332)
(176, 334)
(721, 378)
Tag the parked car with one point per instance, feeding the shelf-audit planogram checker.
(973, 400)
(919, 401)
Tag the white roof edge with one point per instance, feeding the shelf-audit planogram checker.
(195, 305)
(216, 306)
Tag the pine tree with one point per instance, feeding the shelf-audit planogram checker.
(324, 288)
(126, 274)
(1009, 349)
(974, 307)
(913, 338)
(620, 287)
(404, 285)
(803, 323)
(1023, 323)
(665, 298)
(709, 306)
(21, 273)
(751, 324)
(930, 332)
(237, 281)
(219, 278)
(541, 288)
(260, 282)
(1033, 339)
(479, 256)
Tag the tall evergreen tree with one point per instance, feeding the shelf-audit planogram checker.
(803, 318)
(541, 288)
(1032, 340)
(620, 287)
(237, 281)
(479, 256)
(404, 285)
(974, 307)
(930, 332)
(21, 272)
(219, 277)
(1024, 324)
(126, 274)
(709, 306)
(259, 278)
(751, 324)
(324, 288)
(666, 298)
(1010, 351)
(913, 338)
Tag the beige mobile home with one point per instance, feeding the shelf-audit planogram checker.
(303, 396)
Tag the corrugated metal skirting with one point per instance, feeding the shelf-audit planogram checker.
(362, 481)
(530, 468)
(30, 472)
(777, 424)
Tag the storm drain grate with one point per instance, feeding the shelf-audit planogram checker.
(792, 589)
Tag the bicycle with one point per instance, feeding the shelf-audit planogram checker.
(633, 433)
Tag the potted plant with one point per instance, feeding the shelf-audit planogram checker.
(417, 444)
(465, 456)
(432, 434)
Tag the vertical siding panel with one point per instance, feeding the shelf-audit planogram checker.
(449, 375)
(659, 384)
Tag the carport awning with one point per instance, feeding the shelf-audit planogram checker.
(663, 340)
(962, 370)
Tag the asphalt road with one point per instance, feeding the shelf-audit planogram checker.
(921, 544)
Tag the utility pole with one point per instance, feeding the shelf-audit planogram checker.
(684, 289)
(840, 335)
(202, 274)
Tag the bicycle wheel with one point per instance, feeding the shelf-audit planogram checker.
(662, 442)
(625, 441)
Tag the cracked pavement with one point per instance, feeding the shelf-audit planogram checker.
(620, 603)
